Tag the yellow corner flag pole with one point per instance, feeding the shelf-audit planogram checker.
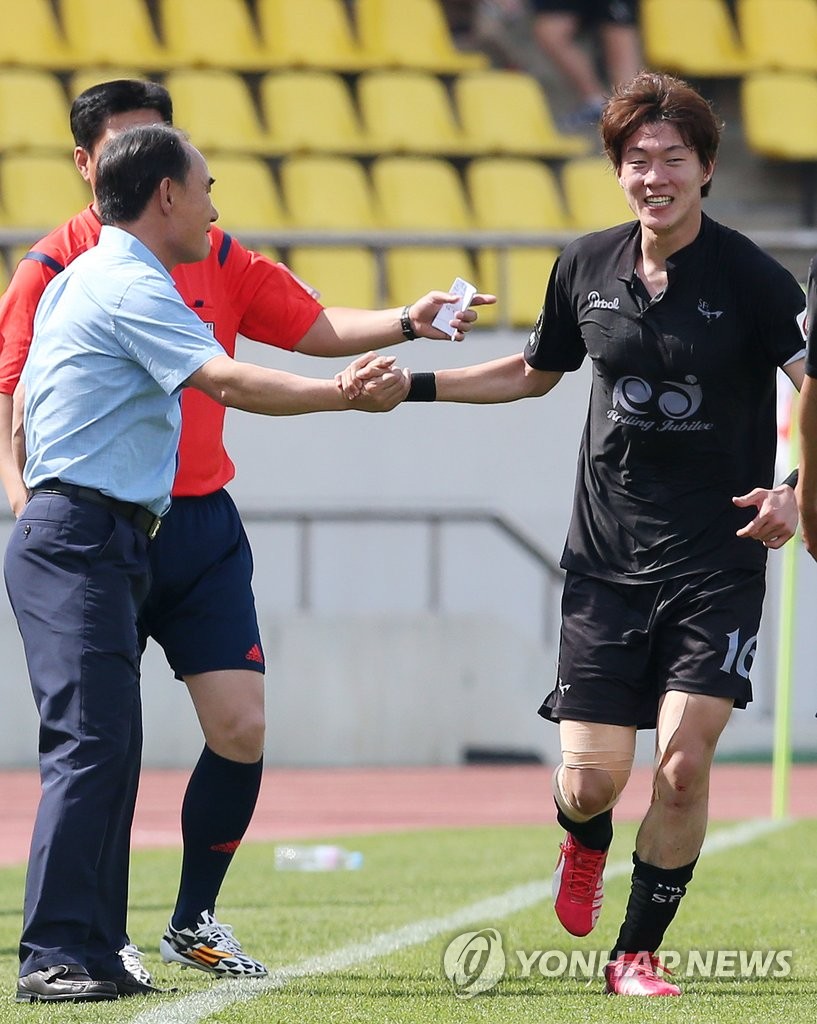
(782, 755)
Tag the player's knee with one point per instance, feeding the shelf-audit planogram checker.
(587, 792)
(239, 738)
(683, 776)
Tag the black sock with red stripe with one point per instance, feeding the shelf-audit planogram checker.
(217, 810)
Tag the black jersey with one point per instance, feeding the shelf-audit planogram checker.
(811, 320)
(682, 412)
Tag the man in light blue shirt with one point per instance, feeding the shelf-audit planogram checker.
(113, 346)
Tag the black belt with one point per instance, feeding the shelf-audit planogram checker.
(142, 518)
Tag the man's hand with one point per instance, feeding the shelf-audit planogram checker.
(776, 521)
(423, 311)
(372, 383)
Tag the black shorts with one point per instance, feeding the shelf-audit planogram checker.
(592, 12)
(201, 608)
(623, 645)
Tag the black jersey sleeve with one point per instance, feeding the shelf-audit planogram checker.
(779, 308)
(556, 342)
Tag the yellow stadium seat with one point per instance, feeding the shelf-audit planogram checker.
(40, 190)
(343, 276)
(409, 112)
(310, 34)
(411, 34)
(779, 34)
(31, 36)
(245, 194)
(419, 194)
(508, 112)
(593, 196)
(100, 32)
(694, 37)
(519, 283)
(779, 113)
(413, 271)
(515, 195)
(311, 111)
(217, 110)
(211, 33)
(33, 111)
(322, 192)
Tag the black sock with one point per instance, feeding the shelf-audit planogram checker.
(654, 898)
(217, 809)
(595, 834)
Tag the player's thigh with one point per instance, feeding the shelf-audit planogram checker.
(707, 634)
(596, 760)
(230, 708)
(689, 727)
(604, 654)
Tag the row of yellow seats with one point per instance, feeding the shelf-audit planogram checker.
(231, 34)
(411, 195)
(402, 193)
(315, 111)
(702, 38)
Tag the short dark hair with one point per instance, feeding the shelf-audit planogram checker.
(131, 166)
(652, 98)
(91, 109)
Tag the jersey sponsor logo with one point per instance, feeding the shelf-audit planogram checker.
(710, 315)
(668, 405)
(597, 302)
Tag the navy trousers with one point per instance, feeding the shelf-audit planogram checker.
(76, 575)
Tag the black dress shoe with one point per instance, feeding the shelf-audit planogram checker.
(63, 983)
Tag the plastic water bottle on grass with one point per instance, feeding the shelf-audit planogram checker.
(316, 858)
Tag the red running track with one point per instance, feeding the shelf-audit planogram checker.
(312, 803)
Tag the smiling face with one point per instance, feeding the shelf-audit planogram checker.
(662, 179)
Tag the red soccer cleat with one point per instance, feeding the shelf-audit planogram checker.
(578, 886)
(636, 974)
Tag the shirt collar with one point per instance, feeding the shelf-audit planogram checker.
(118, 240)
(632, 247)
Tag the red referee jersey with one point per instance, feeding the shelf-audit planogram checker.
(234, 291)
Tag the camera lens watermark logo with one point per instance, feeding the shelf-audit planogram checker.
(474, 962)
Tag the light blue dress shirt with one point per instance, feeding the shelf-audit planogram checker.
(113, 343)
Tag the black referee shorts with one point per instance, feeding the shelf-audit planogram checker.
(623, 645)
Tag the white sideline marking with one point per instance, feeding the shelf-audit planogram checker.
(196, 1007)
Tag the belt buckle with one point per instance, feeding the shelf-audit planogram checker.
(154, 527)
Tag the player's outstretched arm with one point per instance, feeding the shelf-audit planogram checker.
(277, 393)
(343, 331)
(500, 380)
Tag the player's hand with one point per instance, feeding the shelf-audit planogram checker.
(370, 366)
(423, 311)
(373, 384)
(776, 521)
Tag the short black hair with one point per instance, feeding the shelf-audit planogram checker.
(131, 166)
(92, 108)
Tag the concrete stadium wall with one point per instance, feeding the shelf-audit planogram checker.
(369, 676)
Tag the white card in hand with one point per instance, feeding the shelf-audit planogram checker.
(466, 293)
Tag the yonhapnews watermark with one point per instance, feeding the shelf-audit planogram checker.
(475, 962)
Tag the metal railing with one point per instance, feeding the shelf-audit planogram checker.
(435, 521)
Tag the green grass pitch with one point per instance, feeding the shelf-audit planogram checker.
(761, 895)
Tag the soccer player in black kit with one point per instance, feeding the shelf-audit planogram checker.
(685, 322)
